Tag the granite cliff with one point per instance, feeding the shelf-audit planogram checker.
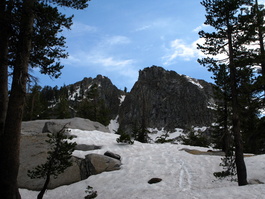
(162, 98)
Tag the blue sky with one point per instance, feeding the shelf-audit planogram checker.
(117, 38)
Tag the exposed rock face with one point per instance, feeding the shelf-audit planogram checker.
(166, 99)
(34, 151)
(84, 147)
(54, 125)
(96, 163)
(107, 91)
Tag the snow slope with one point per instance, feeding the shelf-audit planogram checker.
(184, 176)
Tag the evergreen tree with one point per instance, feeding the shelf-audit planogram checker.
(124, 138)
(19, 26)
(47, 98)
(93, 107)
(33, 107)
(223, 16)
(255, 17)
(195, 138)
(141, 134)
(62, 105)
(253, 24)
(62, 108)
(59, 159)
(222, 136)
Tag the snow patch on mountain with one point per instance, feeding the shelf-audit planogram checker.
(193, 81)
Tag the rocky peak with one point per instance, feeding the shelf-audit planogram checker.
(106, 91)
(167, 99)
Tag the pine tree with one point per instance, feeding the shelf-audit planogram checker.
(33, 107)
(251, 89)
(18, 47)
(258, 30)
(62, 108)
(58, 160)
(222, 134)
(227, 39)
(141, 134)
(93, 107)
(124, 138)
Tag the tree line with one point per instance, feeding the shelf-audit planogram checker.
(65, 102)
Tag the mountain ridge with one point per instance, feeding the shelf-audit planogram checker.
(158, 99)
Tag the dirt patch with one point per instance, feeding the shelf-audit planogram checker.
(198, 152)
(217, 153)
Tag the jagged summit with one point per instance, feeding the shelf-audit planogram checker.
(166, 99)
(107, 92)
(157, 72)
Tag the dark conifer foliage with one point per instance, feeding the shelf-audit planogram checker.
(93, 107)
(28, 38)
(58, 160)
(238, 24)
(33, 107)
(224, 16)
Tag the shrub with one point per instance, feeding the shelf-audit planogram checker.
(91, 193)
(124, 137)
(229, 166)
(163, 139)
(195, 138)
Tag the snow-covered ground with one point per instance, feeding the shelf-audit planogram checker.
(184, 176)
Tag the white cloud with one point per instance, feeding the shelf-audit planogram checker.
(118, 69)
(116, 40)
(98, 61)
(111, 62)
(142, 28)
(179, 49)
(157, 23)
(201, 27)
(83, 58)
(78, 29)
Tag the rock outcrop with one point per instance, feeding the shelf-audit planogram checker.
(96, 163)
(34, 151)
(53, 125)
(112, 155)
(166, 99)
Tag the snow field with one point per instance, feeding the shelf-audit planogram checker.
(184, 176)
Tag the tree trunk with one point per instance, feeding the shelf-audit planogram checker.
(4, 37)
(227, 135)
(10, 139)
(32, 106)
(239, 156)
(44, 188)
